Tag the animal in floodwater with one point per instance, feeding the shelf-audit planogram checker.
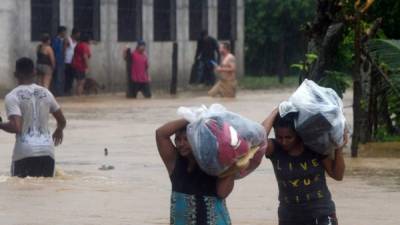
(91, 86)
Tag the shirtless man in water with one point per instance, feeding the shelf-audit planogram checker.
(226, 86)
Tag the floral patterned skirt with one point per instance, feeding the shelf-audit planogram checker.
(198, 210)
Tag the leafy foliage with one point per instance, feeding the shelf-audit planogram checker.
(272, 25)
(389, 10)
(304, 66)
(387, 53)
(337, 81)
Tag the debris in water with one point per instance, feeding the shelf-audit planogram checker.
(106, 166)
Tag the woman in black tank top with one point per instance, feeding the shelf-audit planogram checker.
(304, 197)
(196, 198)
(45, 61)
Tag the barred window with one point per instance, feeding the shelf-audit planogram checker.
(129, 20)
(44, 18)
(198, 18)
(227, 10)
(164, 20)
(87, 17)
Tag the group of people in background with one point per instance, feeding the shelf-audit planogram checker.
(214, 60)
(63, 59)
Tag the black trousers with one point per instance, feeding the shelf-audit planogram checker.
(42, 166)
(324, 220)
(209, 78)
(69, 78)
(134, 88)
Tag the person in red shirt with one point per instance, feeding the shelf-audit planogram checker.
(80, 62)
(138, 68)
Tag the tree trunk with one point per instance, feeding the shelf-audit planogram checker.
(362, 95)
(357, 91)
(325, 34)
(327, 52)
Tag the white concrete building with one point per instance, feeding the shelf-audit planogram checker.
(116, 24)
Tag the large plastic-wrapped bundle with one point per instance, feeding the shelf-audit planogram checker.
(321, 122)
(224, 143)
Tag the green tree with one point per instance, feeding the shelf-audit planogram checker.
(274, 36)
(389, 10)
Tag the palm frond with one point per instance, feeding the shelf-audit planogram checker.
(386, 51)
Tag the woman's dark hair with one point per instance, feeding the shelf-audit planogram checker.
(61, 29)
(75, 31)
(204, 34)
(85, 37)
(285, 122)
(45, 38)
(182, 130)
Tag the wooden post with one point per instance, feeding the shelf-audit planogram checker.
(357, 92)
(174, 80)
(128, 60)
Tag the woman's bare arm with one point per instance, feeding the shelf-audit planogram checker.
(165, 146)
(268, 123)
(336, 167)
(225, 186)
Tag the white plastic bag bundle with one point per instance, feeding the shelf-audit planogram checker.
(321, 122)
(224, 142)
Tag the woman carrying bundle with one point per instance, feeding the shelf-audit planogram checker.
(197, 198)
(303, 193)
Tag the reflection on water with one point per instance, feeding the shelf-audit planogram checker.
(387, 178)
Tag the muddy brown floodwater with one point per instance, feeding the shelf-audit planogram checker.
(137, 191)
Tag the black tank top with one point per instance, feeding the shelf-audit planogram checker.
(195, 182)
(42, 59)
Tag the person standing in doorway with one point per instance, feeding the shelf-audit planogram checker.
(226, 86)
(139, 77)
(58, 45)
(46, 61)
(80, 62)
(207, 52)
(28, 107)
(69, 54)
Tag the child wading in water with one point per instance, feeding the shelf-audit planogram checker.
(197, 198)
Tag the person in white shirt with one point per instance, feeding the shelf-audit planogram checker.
(28, 107)
(71, 43)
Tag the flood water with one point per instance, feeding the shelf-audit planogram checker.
(137, 191)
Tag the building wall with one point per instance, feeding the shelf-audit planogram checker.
(107, 64)
(7, 24)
